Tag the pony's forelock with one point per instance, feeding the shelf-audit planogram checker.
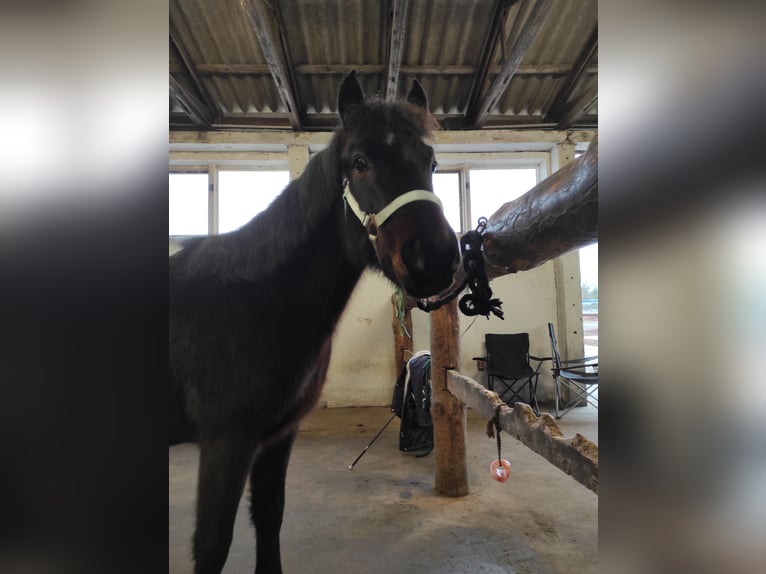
(377, 115)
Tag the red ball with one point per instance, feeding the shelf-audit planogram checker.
(500, 470)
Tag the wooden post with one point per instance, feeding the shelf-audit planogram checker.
(297, 160)
(566, 272)
(448, 413)
(402, 341)
(213, 195)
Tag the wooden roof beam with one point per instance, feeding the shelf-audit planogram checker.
(477, 114)
(573, 78)
(398, 20)
(487, 54)
(238, 140)
(551, 70)
(191, 70)
(197, 110)
(577, 110)
(268, 30)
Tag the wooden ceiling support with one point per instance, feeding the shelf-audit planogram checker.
(573, 78)
(577, 110)
(203, 103)
(197, 110)
(477, 114)
(549, 70)
(487, 54)
(398, 24)
(267, 28)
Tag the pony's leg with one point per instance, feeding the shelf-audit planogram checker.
(267, 485)
(223, 470)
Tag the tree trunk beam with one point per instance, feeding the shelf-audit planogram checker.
(576, 456)
(557, 215)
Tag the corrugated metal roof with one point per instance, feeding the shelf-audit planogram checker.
(443, 47)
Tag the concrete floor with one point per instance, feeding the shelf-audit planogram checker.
(384, 516)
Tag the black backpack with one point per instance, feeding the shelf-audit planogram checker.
(412, 404)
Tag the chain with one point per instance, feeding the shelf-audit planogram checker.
(479, 301)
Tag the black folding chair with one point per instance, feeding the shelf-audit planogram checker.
(508, 362)
(578, 376)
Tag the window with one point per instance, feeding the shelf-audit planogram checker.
(241, 194)
(447, 189)
(491, 188)
(244, 194)
(188, 204)
(589, 286)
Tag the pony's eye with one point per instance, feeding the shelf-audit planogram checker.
(433, 166)
(360, 164)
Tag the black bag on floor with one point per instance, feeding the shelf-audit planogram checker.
(412, 404)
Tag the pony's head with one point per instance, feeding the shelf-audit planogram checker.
(387, 169)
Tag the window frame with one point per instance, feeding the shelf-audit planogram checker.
(463, 163)
(275, 162)
(191, 171)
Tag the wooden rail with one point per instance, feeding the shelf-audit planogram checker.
(577, 456)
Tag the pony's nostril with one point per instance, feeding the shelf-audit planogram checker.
(430, 265)
(413, 256)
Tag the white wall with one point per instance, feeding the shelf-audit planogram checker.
(362, 370)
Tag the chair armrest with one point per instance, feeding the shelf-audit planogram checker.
(540, 361)
(590, 370)
(587, 361)
(579, 376)
(481, 363)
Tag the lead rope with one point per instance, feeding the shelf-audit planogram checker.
(401, 312)
(500, 469)
(493, 431)
(497, 432)
(479, 301)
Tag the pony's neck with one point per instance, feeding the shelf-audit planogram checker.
(305, 225)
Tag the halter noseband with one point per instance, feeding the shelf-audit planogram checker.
(373, 221)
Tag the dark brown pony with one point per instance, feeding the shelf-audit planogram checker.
(252, 312)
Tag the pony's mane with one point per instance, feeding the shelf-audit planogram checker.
(254, 250)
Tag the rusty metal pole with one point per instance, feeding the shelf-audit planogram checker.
(448, 412)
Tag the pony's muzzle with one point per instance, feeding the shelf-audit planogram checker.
(430, 265)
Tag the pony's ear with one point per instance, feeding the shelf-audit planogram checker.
(417, 95)
(350, 94)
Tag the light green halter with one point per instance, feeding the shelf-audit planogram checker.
(373, 221)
